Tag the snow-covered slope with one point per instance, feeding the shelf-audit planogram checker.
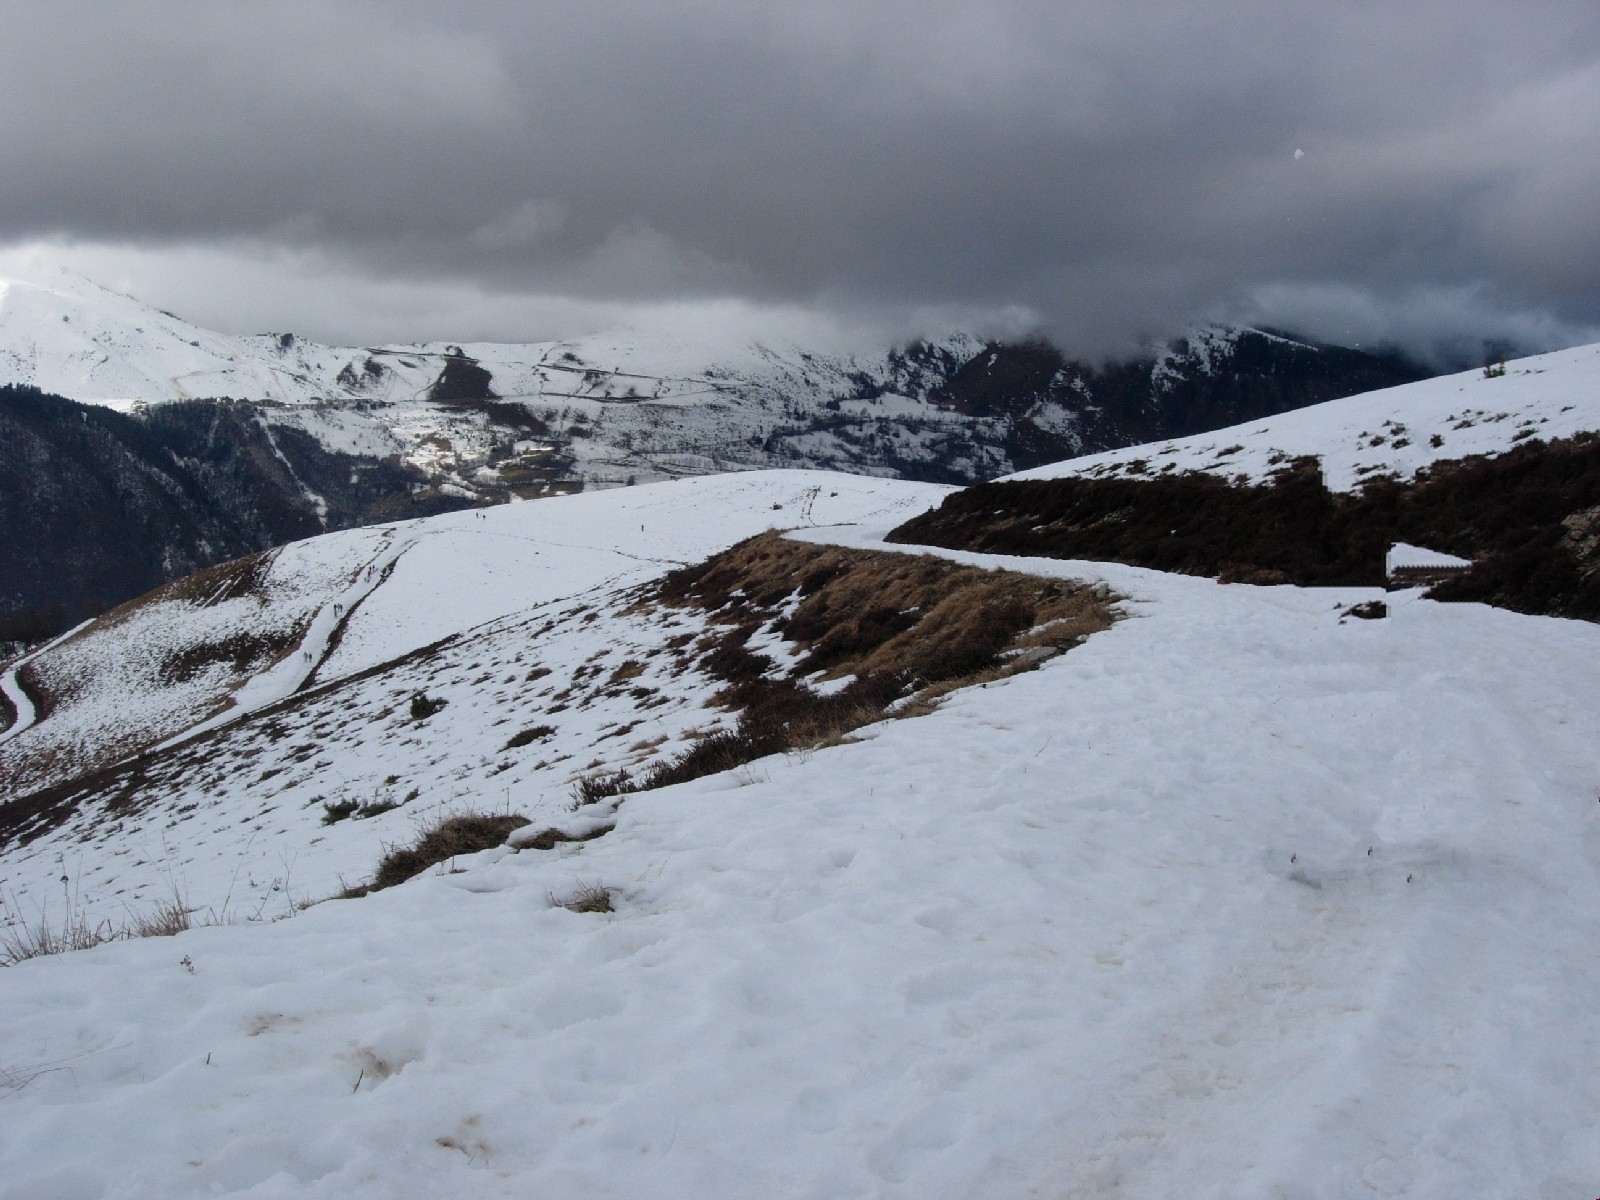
(532, 597)
(1395, 431)
(86, 342)
(82, 341)
(1238, 899)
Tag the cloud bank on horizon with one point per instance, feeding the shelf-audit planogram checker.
(1421, 174)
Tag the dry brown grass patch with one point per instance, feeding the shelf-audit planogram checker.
(21, 939)
(589, 898)
(895, 625)
(461, 833)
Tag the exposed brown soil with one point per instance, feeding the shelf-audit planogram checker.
(244, 652)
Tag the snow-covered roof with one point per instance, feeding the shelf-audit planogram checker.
(1401, 556)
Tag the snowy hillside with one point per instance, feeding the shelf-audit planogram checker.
(1395, 431)
(488, 421)
(1202, 891)
(1239, 898)
(77, 339)
(530, 595)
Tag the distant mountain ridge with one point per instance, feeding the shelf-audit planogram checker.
(222, 445)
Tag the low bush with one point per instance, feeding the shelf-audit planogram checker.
(591, 789)
(549, 839)
(719, 752)
(534, 734)
(463, 833)
(424, 706)
(339, 810)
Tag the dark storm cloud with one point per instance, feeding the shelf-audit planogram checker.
(1116, 169)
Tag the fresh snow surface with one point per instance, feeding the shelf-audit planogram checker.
(1237, 899)
(1396, 431)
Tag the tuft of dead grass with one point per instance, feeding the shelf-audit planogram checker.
(21, 939)
(24, 940)
(169, 917)
(589, 898)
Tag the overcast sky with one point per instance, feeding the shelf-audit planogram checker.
(1412, 172)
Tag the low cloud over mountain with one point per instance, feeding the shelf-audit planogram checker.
(1104, 173)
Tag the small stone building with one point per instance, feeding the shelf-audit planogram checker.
(1414, 566)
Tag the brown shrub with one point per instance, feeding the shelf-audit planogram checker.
(719, 752)
(631, 669)
(591, 789)
(463, 833)
(549, 839)
(533, 734)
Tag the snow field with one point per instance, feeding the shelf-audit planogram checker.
(1239, 898)
(467, 568)
(114, 682)
(1236, 899)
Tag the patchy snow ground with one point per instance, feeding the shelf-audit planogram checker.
(1396, 431)
(531, 593)
(1238, 899)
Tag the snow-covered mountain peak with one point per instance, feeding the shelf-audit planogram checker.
(75, 338)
